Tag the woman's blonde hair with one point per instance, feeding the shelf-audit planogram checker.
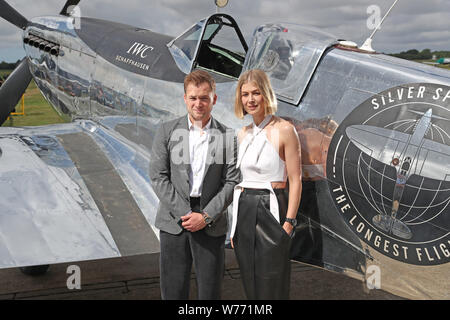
(260, 79)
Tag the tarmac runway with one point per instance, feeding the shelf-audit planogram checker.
(137, 278)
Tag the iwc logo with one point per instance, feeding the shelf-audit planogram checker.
(389, 172)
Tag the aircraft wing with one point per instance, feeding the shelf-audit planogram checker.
(378, 143)
(432, 161)
(437, 164)
(65, 198)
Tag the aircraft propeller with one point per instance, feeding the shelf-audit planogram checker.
(19, 79)
(13, 88)
(10, 14)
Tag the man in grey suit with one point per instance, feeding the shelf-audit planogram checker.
(193, 172)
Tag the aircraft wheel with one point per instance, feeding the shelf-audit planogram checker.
(35, 270)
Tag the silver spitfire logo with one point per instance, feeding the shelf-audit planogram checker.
(389, 172)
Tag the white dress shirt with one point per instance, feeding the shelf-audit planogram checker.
(198, 150)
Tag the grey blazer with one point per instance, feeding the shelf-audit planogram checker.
(169, 174)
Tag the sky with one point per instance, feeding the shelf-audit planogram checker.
(412, 24)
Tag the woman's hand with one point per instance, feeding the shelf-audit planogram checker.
(292, 153)
(232, 244)
(288, 228)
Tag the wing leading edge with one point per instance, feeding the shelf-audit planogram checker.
(65, 199)
(432, 158)
(46, 217)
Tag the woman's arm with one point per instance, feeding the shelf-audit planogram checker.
(292, 154)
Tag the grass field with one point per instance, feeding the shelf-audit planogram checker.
(443, 66)
(37, 110)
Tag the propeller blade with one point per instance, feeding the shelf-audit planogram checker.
(13, 88)
(10, 14)
(68, 4)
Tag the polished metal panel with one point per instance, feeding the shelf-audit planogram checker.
(122, 215)
(48, 215)
(60, 78)
(60, 219)
(116, 92)
(74, 82)
(131, 162)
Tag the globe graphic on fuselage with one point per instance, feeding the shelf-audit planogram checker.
(388, 167)
(422, 201)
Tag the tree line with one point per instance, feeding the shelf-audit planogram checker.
(425, 54)
(8, 66)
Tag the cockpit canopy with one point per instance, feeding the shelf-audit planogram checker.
(289, 54)
(215, 44)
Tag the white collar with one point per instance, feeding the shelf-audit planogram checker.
(258, 128)
(206, 127)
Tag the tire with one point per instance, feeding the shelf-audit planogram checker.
(35, 270)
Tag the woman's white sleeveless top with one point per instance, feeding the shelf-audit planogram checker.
(260, 165)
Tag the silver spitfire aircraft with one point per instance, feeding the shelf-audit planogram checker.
(374, 129)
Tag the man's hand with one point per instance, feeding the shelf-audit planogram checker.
(193, 222)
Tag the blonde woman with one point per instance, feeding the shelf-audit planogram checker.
(264, 216)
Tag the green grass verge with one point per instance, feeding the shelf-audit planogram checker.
(38, 111)
(443, 66)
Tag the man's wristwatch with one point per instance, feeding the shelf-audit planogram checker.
(207, 219)
(293, 222)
